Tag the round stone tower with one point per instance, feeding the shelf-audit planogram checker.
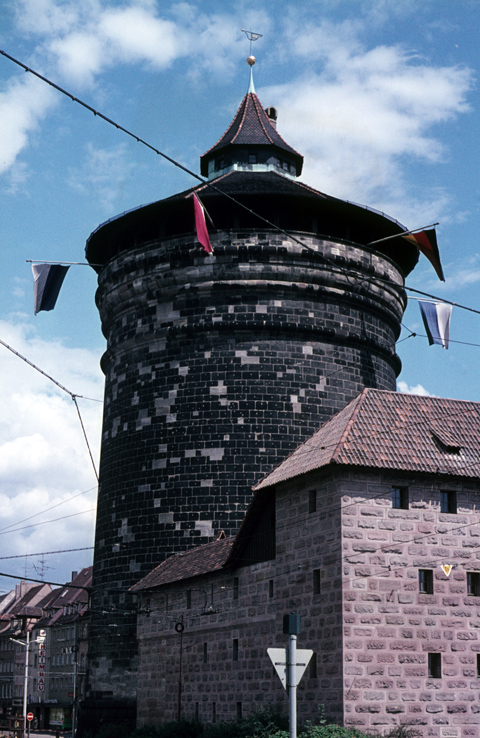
(218, 366)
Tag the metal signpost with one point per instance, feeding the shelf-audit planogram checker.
(29, 718)
(290, 665)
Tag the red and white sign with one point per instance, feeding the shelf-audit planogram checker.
(29, 716)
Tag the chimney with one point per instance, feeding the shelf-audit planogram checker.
(272, 115)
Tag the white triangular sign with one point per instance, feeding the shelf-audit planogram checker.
(447, 568)
(278, 657)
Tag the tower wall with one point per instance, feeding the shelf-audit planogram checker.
(216, 368)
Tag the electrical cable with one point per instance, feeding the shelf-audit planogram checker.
(47, 522)
(46, 553)
(47, 509)
(72, 395)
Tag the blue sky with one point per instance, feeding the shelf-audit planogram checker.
(380, 96)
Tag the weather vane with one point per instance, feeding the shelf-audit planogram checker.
(252, 36)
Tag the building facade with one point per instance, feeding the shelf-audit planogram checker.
(58, 654)
(21, 609)
(370, 531)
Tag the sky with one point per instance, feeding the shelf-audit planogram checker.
(380, 96)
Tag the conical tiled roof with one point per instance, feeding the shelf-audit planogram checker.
(251, 130)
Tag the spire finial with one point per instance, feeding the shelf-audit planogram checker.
(251, 59)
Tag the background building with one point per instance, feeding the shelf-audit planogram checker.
(59, 647)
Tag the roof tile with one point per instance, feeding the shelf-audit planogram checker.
(391, 430)
(199, 560)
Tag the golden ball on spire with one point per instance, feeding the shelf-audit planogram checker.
(251, 61)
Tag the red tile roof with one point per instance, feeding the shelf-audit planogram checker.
(391, 430)
(199, 560)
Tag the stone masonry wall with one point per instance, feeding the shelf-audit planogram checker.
(390, 627)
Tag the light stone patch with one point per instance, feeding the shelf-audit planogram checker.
(214, 454)
(165, 518)
(205, 527)
(220, 389)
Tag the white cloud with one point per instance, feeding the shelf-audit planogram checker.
(23, 104)
(79, 56)
(418, 389)
(44, 460)
(138, 35)
(366, 115)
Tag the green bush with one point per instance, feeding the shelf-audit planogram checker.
(261, 725)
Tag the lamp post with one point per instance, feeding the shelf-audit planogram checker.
(26, 644)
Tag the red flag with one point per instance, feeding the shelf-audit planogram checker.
(426, 242)
(201, 226)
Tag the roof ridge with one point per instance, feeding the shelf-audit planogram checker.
(257, 103)
(243, 102)
(358, 402)
(242, 120)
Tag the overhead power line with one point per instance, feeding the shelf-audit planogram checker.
(72, 395)
(46, 553)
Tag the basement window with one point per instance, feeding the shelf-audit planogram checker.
(434, 665)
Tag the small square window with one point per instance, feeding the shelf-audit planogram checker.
(312, 501)
(473, 583)
(400, 498)
(435, 665)
(252, 158)
(425, 581)
(448, 501)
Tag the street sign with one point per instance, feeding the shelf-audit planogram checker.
(278, 657)
(29, 716)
